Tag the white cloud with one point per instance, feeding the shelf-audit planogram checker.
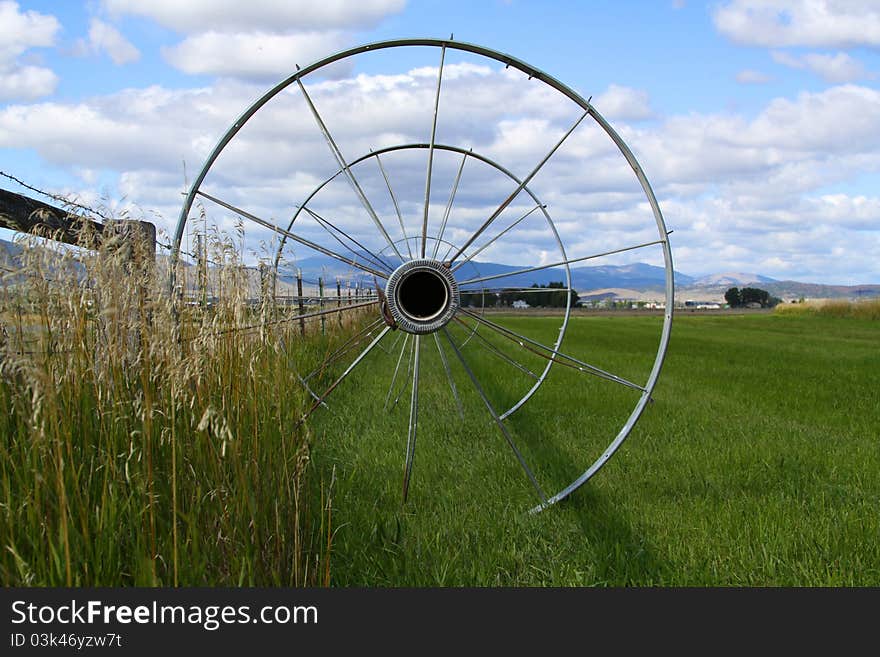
(20, 31)
(26, 83)
(197, 16)
(752, 77)
(725, 148)
(812, 240)
(624, 103)
(256, 40)
(787, 59)
(103, 37)
(813, 23)
(836, 68)
(742, 193)
(257, 55)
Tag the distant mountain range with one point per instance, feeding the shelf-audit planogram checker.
(636, 281)
(637, 276)
(715, 285)
(730, 279)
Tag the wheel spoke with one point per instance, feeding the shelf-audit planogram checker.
(413, 420)
(517, 222)
(293, 236)
(487, 244)
(515, 290)
(409, 368)
(396, 370)
(482, 279)
(400, 335)
(293, 318)
(519, 188)
(495, 350)
(498, 422)
(396, 206)
(346, 347)
(337, 154)
(449, 376)
(431, 152)
(556, 355)
(449, 207)
(330, 227)
(312, 393)
(347, 371)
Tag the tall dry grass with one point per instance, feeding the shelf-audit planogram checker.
(147, 444)
(868, 309)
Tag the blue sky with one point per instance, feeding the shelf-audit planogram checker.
(758, 123)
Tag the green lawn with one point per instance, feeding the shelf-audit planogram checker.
(757, 464)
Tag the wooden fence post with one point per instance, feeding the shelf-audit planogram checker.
(321, 303)
(267, 297)
(300, 301)
(339, 300)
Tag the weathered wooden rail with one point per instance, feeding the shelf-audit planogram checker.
(28, 215)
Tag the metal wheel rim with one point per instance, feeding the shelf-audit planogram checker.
(589, 110)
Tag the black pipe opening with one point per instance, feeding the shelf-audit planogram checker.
(422, 295)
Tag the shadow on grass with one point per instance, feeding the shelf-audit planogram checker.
(621, 551)
(476, 530)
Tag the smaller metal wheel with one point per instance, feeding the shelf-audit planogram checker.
(406, 202)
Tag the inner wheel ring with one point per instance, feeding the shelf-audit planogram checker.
(422, 296)
(337, 230)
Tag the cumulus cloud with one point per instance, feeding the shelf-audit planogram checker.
(20, 31)
(624, 103)
(812, 23)
(104, 38)
(26, 83)
(836, 68)
(256, 55)
(256, 40)
(195, 16)
(752, 77)
(742, 192)
(712, 148)
(809, 239)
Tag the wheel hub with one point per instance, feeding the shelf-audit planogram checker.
(422, 296)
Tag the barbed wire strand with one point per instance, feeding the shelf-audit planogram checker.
(159, 243)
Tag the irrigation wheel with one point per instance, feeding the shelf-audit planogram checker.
(427, 191)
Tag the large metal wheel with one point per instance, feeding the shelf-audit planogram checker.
(430, 223)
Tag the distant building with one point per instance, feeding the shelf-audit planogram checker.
(520, 304)
(702, 305)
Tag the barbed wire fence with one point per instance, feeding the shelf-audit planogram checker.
(364, 297)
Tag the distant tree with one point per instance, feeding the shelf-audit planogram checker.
(478, 299)
(755, 295)
(733, 297)
(555, 296)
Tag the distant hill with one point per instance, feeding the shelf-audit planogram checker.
(730, 279)
(638, 276)
(796, 290)
(635, 281)
(714, 287)
(9, 252)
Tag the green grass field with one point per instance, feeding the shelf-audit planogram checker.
(158, 462)
(757, 464)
